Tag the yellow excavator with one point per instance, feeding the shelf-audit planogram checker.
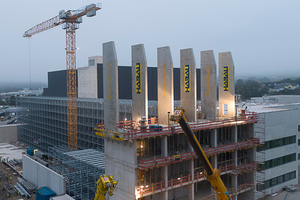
(212, 175)
(106, 183)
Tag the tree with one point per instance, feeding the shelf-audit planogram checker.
(13, 101)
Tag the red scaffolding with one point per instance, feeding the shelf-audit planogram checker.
(185, 180)
(130, 134)
(156, 162)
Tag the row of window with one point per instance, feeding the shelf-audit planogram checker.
(277, 143)
(277, 180)
(278, 161)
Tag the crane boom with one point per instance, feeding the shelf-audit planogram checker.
(212, 175)
(70, 20)
(50, 23)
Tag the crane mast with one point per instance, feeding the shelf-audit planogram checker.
(70, 20)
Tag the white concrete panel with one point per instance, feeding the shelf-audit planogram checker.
(110, 86)
(208, 85)
(87, 82)
(121, 160)
(165, 91)
(139, 82)
(188, 87)
(226, 85)
(8, 133)
(41, 176)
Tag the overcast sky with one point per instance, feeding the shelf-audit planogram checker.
(263, 35)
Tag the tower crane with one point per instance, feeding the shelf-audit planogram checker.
(70, 21)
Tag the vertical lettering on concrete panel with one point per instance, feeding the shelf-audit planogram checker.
(208, 85)
(226, 85)
(139, 83)
(110, 86)
(165, 93)
(138, 78)
(188, 83)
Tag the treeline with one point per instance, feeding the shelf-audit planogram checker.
(252, 88)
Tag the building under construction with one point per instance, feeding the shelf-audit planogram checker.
(148, 154)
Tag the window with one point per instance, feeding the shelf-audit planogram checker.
(92, 62)
(298, 142)
(280, 161)
(292, 175)
(280, 179)
(298, 127)
(278, 142)
(274, 181)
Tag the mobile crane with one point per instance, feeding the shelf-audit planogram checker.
(105, 183)
(212, 175)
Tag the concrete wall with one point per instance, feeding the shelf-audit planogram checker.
(226, 85)
(188, 86)
(121, 160)
(87, 82)
(208, 85)
(41, 176)
(8, 133)
(87, 78)
(139, 82)
(165, 84)
(280, 124)
(110, 86)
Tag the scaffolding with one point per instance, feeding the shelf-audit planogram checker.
(156, 162)
(260, 156)
(81, 170)
(45, 123)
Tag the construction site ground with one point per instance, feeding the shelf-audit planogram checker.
(11, 150)
(284, 195)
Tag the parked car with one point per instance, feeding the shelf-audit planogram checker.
(290, 188)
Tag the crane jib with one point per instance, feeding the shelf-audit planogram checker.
(197, 148)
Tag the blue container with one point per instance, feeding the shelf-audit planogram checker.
(155, 127)
(30, 151)
(44, 193)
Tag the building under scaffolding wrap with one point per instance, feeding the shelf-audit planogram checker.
(81, 170)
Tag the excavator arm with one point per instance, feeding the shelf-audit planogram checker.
(212, 175)
(106, 183)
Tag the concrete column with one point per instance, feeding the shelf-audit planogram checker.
(208, 85)
(214, 161)
(139, 82)
(226, 85)
(191, 192)
(188, 84)
(165, 84)
(110, 86)
(165, 168)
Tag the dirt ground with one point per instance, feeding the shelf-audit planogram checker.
(9, 173)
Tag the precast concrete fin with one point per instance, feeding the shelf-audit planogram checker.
(188, 83)
(226, 85)
(139, 83)
(165, 91)
(110, 86)
(208, 85)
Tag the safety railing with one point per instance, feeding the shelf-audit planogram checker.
(248, 118)
(185, 180)
(156, 162)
